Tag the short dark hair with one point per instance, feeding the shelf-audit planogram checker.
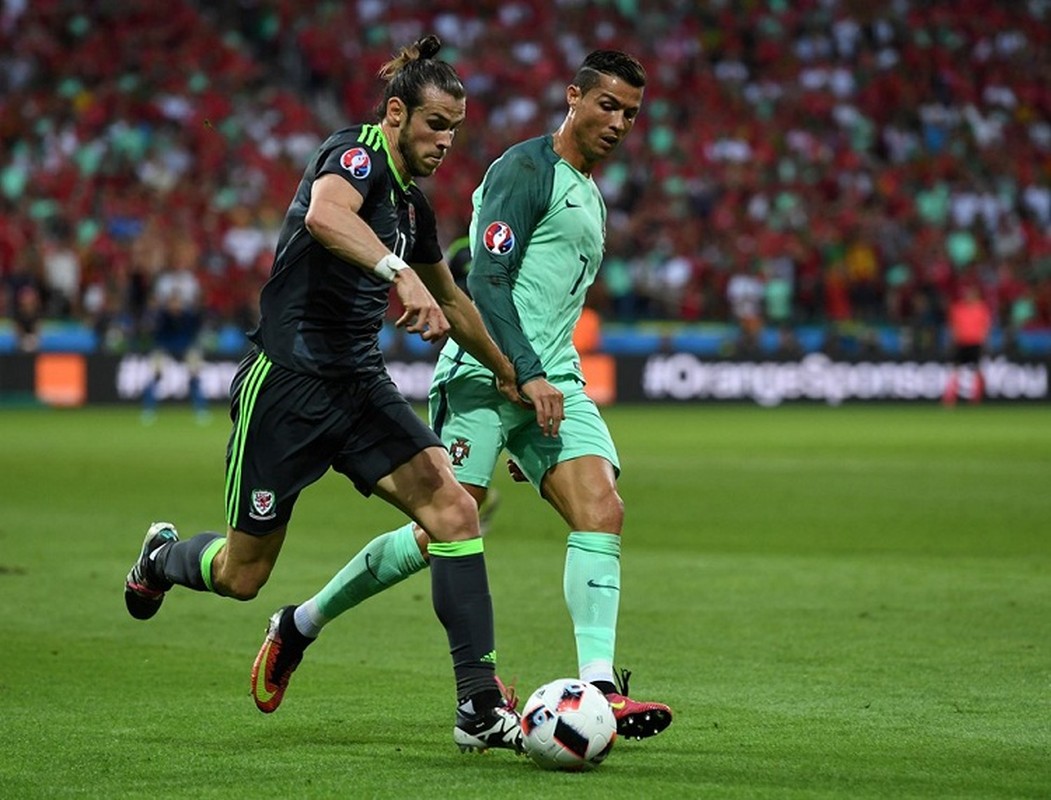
(609, 62)
(415, 68)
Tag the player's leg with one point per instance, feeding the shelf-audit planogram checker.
(147, 582)
(973, 358)
(400, 459)
(488, 504)
(473, 436)
(194, 361)
(583, 491)
(576, 473)
(463, 413)
(236, 565)
(284, 455)
(426, 489)
(384, 562)
(952, 385)
(149, 393)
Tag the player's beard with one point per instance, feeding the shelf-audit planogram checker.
(417, 168)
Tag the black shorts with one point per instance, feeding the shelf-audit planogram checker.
(289, 428)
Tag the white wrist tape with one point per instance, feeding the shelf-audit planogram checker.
(389, 266)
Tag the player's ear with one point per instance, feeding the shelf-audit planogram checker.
(396, 111)
(573, 95)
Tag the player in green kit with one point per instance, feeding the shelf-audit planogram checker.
(538, 234)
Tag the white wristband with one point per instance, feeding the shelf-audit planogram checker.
(389, 266)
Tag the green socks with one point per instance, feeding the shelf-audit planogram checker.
(591, 584)
(388, 559)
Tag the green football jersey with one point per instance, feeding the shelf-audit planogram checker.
(537, 236)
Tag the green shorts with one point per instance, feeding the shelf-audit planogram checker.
(475, 422)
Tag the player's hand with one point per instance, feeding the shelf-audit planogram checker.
(506, 382)
(422, 313)
(516, 471)
(507, 385)
(548, 403)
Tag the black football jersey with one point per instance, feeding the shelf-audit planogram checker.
(320, 315)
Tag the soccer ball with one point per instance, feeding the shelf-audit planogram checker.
(568, 724)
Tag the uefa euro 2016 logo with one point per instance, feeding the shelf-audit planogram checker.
(499, 239)
(356, 161)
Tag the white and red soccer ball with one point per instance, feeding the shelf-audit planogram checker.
(568, 724)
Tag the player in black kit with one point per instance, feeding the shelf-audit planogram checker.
(315, 393)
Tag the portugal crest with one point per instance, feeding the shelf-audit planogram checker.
(459, 450)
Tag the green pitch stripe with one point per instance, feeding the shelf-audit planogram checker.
(246, 404)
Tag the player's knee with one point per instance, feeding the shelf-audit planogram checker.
(457, 518)
(603, 512)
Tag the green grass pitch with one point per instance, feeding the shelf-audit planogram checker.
(837, 602)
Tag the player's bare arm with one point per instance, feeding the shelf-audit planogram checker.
(333, 220)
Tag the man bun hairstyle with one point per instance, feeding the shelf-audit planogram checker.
(415, 68)
(609, 62)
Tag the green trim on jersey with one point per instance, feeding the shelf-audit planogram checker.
(372, 136)
(245, 405)
(531, 294)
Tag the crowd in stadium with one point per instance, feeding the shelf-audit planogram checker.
(803, 162)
